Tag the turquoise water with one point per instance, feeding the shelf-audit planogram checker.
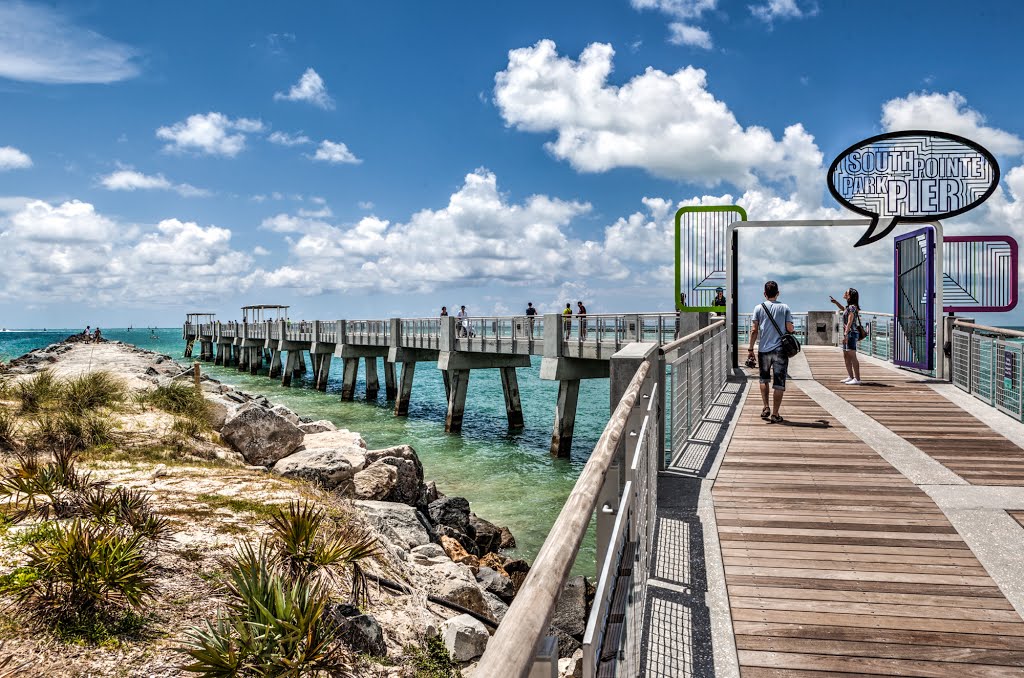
(509, 478)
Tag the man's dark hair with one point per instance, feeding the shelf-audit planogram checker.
(771, 289)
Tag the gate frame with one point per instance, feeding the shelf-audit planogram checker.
(732, 276)
(929, 235)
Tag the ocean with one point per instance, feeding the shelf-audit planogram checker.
(509, 478)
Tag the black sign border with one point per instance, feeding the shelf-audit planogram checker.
(917, 219)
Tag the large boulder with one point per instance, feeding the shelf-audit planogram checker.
(507, 540)
(363, 635)
(451, 512)
(319, 426)
(408, 487)
(339, 438)
(376, 481)
(458, 553)
(517, 571)
(495, 582)
(217, 411)
(496, 605)
(464, 637)
(571, 609)
(428, 555)
(330, 468)
(401, 524)
(486, 534)
(261, 436)
(400, 451)
(286, 413)
(466, 594)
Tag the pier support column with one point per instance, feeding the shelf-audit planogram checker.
(513, 405)
(390, 387)
(188, 348)
(303, 368)
(323, 370)
(565, 417)
(243, 358)
(372, 382)
(456, 401)
(348, 379)
(289, 368)
(219, 358)
(447, 385)
(405, 389)
(275, 364)
(255, 360)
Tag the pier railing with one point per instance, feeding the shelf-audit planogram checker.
(419, 333)
(878, 343)
(988, 363)
(698, 374)
(501, 334)
(619, 483)
(367, 332)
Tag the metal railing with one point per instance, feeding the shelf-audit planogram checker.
(988, 363)
(619, 483)
(799, 327)
(420, 333)
(878, 343)
(367, 332)
(501, 334)
(697, 378)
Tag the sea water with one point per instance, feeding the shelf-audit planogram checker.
(508, 477)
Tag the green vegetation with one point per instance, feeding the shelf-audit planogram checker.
(91, 391)
(72, 431)
(37, 391)
(8, 430)
(180, 399)
(238, 504)
(432, 660)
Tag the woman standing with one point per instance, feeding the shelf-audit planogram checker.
(851, 321)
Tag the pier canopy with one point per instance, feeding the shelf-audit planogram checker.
(263, 312)
(199, 318)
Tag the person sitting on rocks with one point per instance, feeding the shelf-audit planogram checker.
(97, 337)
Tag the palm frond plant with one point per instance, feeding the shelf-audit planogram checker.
(8, 430)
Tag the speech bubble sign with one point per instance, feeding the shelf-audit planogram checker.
(911, 176)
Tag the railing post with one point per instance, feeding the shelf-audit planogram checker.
(448, 333)
(395, 340)
(553, 333)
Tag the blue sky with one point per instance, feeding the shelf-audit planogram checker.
(370, 160)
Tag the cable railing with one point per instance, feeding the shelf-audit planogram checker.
(878, 343)
(619, 484)
(367, 332)
(987, 363)
(420, 333)
(799, 325)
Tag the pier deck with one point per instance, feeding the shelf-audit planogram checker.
(875, 533)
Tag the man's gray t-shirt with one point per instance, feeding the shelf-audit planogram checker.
(768, 339)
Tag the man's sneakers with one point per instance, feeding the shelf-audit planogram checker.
(851, 381)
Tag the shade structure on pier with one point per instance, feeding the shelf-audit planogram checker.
(262, 312)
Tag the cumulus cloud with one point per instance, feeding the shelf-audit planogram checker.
(684, 34)
(310, 88)
(130, 180)
(667, 124)
(40, 44)
(782, 9)
(12, 158)
(948, 113)
(70, 253)
(335, 153)
(211, 134)
(285, 139)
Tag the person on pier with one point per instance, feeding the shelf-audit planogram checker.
(851, 334)
(463, 322)
(531, 316)
(582, 314)
(97, 337)
(444, 311)
(766, 328)
(567, 319)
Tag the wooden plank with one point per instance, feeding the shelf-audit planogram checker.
(966, 655)
(869, 665)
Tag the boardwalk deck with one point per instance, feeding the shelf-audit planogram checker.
(836, 563)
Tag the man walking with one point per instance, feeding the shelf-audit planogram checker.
(771, 360)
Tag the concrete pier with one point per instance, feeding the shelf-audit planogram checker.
(565, 417)
(405, 389)
(513, 405)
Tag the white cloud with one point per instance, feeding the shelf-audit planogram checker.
(366, 205)
(212, 134)
(12, 158)
(947, 113)
(310, 88)
(684, 34)
(260, 251)
(782, 9)
(39, 44)
(70, 253)
(668, 125)
(285, 139)
(130, 180)
(335, 153)
(321, 213)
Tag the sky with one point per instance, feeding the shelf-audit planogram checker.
(370, 160)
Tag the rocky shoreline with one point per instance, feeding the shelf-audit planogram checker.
(433, 544)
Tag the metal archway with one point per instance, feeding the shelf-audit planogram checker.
(732, 276)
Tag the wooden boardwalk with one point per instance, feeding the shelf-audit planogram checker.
(837, 564)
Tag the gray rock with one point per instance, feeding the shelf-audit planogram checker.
(567, 645)
(363, 635)
(486, 534)
(338, 438)
(571, 609)
(236, 397)
(263, 402)
(217, 411)
(400, 451)
(376, 481)
(287, 414)
(496, 583)
(317, 426)
(408, 483)
(496, 605)
(452, 512)
(507, 540)
(402, 524)
(430, 493)
(330, 468)
(464, 593)
(428, 554)
(464, 637)
(262, 436)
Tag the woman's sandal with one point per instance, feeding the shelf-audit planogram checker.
(766, 413)
(776, 419)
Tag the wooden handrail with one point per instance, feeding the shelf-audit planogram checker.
(986, 328)
(512, 649)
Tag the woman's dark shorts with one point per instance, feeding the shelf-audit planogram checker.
(851, 341)
(773, 367)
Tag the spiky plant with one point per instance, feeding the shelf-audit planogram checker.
(86, 571)
(180, 399)
(306, 544)
(69, 430)
(273, 626)
(51, 490)
(8, 430)
(125, 509)
(37, 391)
(91, 391)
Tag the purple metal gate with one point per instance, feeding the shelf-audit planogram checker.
(914, 307)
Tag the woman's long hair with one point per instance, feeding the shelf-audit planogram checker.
(854, 298)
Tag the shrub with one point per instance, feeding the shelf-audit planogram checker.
(37, 391)
(51, 490)
(68, 430)
(180, 399)
(8, 430)
(91, 391)
(432, 660)
(86, 571)
(187, 428)
(273, 626)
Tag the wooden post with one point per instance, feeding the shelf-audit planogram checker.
(405, 389)
(456, 401)
(513, 405)
(195, 374)
(390, 387)
(565, 417)
(372, 382)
